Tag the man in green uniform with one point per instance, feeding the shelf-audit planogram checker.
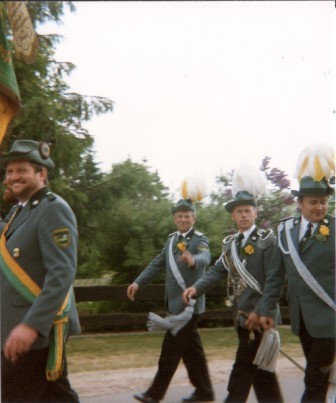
(187, 252)
(245, 260)
(38, 260)
(306, 255)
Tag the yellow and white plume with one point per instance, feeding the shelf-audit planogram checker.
(249, 178)
(194, 188)
(317, 162)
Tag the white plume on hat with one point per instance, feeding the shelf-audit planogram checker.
(316, 161)
(249, 178)
(194, 188)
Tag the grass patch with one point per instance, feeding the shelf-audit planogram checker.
(98, 352)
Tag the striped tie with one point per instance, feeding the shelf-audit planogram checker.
(306, 236)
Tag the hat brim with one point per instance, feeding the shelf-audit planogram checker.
(47, 163)
(313, 192)
(231, 205)
(183, 208)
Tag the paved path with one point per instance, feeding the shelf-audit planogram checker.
(119, 386)
(292, 390)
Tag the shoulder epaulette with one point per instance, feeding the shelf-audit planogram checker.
(50, 196)
(266, 238)
(34, 202)
(227, 242)
(198, 233)
(229, 238)
(265, 233)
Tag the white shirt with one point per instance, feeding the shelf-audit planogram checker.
(247, 233)
(185, 233)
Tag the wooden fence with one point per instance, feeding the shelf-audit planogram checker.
(137, 320)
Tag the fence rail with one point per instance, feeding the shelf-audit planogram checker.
(153, 292)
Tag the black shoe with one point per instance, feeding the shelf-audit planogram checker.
(142, 397)
(198, 398)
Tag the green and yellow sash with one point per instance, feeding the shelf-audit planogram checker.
(24, 284)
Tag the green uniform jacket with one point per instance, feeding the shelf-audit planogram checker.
(257, 264)
(319, 258)
(43, 237)
(198, 245)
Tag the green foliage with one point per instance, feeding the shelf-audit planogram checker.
(42, 11)
(124, 216)
(135, 221)
(213, 221)
(51, 113)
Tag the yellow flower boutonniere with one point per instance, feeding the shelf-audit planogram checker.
(182, 246)
(322, 234)
(249, 250)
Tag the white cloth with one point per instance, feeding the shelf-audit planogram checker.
(266, 356)
(173, 323)
(331, 392)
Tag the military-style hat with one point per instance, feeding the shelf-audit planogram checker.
(315, 170)
(184, 205)
(28, 150)
(242, 198)
(248, 183)
(309, 187)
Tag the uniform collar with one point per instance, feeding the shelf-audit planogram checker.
(248, 232)
(187, 234)
(38, 196)
(304, 223)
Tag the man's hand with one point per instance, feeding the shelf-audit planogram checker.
(266, 322)
(188, 258)
(19, 341)
(188, 293)
(131, 291)
(252, 321)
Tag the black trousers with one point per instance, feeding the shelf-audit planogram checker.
(319, 355)
(188, 346)
(25, 380)
(245, 374)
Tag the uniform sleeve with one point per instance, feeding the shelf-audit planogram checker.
(156, 266)
(211, 278)
(274, 282)
(57, 236)
(267, 254)
(202, 254)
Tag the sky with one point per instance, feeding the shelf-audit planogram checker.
(201, 87)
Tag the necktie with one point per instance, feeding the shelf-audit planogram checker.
(306, 236)
(239, 240)
(239, 244)
(179, 239)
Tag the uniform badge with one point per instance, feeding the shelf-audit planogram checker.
(62, 237)
(44, 149)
